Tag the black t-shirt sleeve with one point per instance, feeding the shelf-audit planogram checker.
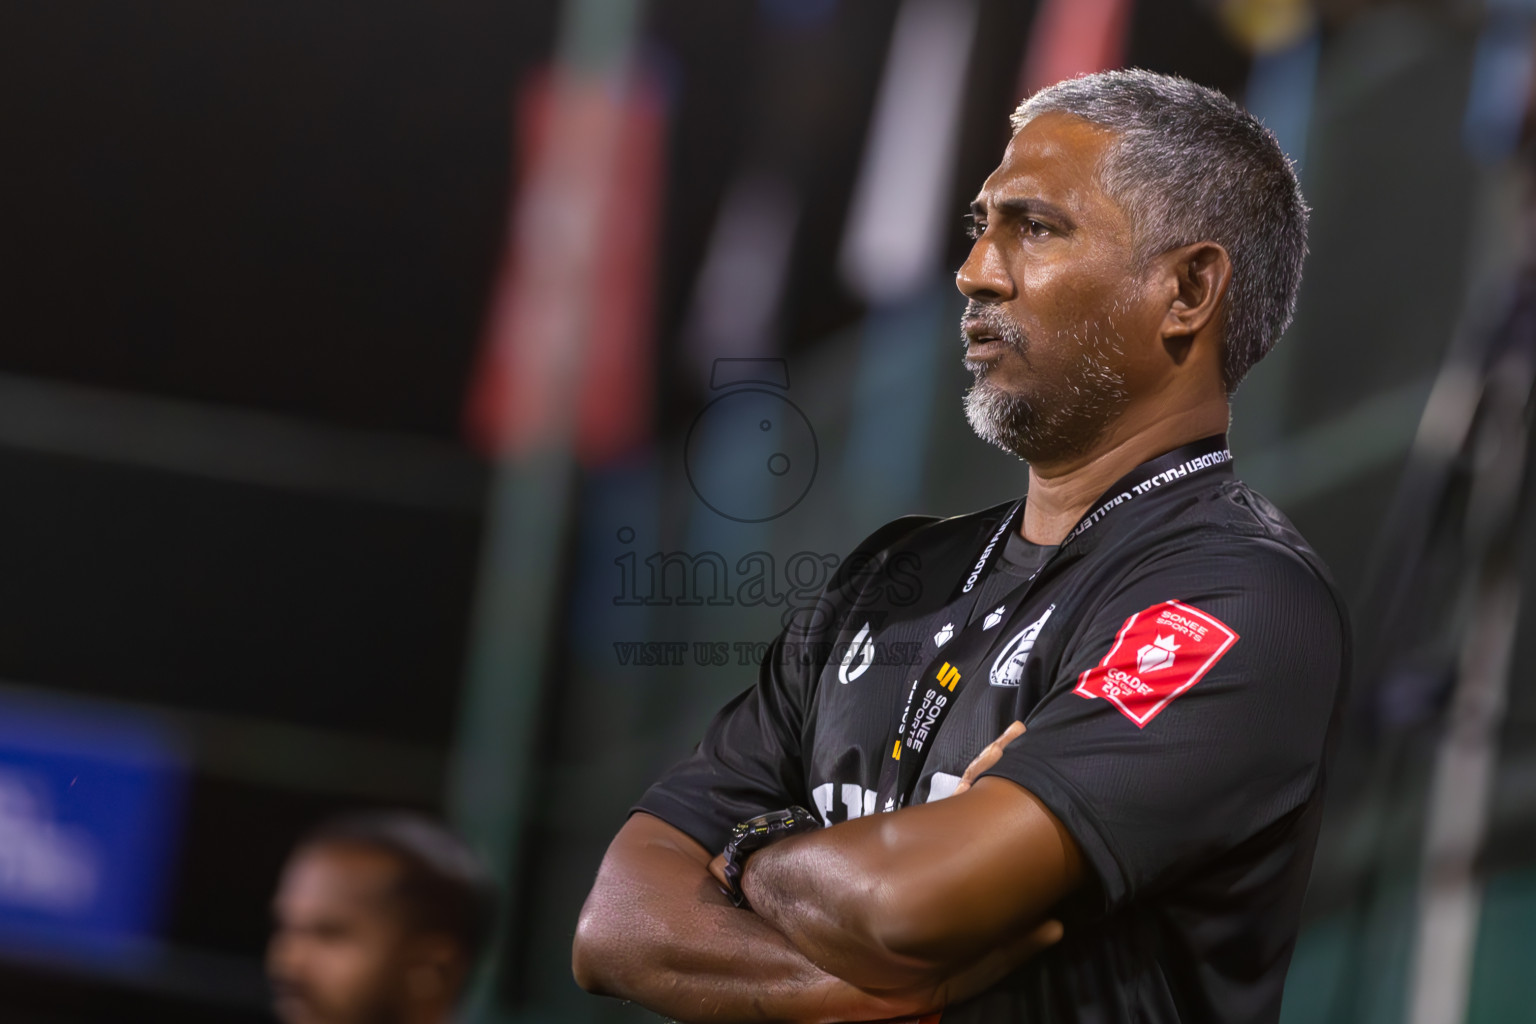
(752, 759)
(1189, 713)
(748, 763)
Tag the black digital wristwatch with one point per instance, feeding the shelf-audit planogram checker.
(755, 833)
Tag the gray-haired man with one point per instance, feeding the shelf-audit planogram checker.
(1161, 652)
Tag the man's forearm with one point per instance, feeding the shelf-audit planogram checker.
(657, 930)
(893, 896)
(831, 897)
(711, 962)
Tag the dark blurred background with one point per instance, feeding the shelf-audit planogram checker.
(374, 391)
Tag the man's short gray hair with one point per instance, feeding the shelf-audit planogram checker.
(1190, 165)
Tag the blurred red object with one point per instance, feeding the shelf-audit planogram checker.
(568, 341)
(1074, 37)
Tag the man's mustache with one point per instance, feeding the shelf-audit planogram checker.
(981, 319)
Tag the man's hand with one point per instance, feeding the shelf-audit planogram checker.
(988, 757)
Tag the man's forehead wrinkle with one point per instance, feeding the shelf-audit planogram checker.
(1014, 185)
(1029, 193)
(1056, 158)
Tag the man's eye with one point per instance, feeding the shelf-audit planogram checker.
(1036, 229)
(974, 229)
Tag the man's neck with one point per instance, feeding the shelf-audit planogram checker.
(1060, 492)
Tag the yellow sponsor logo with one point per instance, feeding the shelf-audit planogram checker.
(896, 751)
(949, 676)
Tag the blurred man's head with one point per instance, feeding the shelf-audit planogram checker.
(379, 919)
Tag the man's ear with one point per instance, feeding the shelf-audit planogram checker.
(1198, 276)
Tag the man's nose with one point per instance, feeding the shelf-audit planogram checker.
(983, 275)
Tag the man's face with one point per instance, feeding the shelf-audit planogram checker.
(339, 951)
(1054, 290)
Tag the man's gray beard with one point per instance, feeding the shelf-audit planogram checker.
(1065, 419)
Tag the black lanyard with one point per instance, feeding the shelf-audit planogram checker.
(933, 694)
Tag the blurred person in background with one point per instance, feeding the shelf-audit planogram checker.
(379, 919)
(1177, 652)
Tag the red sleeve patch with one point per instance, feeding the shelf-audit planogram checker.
(1158, 654)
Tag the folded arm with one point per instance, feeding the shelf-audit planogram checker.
(916, 894)
(657, 929)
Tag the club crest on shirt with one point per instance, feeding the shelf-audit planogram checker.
(942, 636)
(862, 650)
(1008, 667)
(1158, 654)
(993, 617)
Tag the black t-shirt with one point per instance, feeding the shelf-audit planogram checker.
(1023, 558)
(1178, 661)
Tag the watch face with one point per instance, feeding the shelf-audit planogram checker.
(750, 835)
